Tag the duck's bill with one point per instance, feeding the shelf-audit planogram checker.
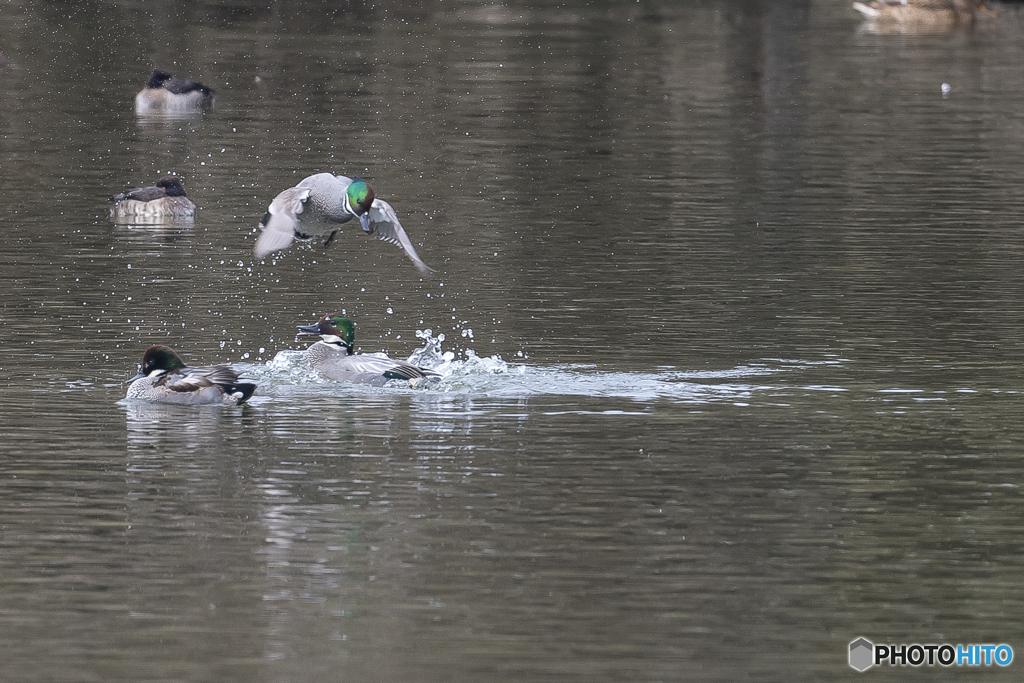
(364, 220)
(138, 376)
(306, 330)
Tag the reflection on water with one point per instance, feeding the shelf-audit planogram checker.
(731, 304)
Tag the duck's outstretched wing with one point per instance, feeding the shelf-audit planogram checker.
(384, 224)
(280, 221)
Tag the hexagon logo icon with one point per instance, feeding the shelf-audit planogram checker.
(862, 654)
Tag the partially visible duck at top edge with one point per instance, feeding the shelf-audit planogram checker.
(913, 15)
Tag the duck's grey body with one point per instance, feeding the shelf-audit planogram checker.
(167, 199)
(334, 362)
(322, 200)
(333, 356)
(165, 93)
(194, 390)
(164, 378)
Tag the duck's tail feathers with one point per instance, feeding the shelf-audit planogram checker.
(869, 12)
(240, 391)
(409, 371)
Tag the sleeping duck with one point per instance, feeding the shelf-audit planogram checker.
(166, 200)
(165, 93)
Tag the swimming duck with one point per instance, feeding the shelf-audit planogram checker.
(167, 199)
(164, 92)
(333, 356)
(919, 14)
(164, 378)
(325, 202)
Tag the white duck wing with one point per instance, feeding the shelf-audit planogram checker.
(384, 224)
(283, 218)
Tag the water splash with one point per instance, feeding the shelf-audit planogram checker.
(288, 374)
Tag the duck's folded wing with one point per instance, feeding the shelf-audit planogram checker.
(140, 194)
(181, 86)
(193, 381)
(392, 369)
(223, 376)
(280, 221)
(384, 224)
(218, 374)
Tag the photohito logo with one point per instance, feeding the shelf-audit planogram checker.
(864, 654)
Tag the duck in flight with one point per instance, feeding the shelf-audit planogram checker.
(320, 204)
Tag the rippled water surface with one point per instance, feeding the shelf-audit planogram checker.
(728, 310)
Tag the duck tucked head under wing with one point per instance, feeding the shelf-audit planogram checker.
(164, 92)
(168, 186)
(166, 200)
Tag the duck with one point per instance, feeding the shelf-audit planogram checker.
(166, 200)
(164, 378)
(333, 356)
(920, 14)
(165, 93)
(327, 201)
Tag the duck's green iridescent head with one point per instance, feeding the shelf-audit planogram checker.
(344, 328)
(337, 326)
(160, 359)
(360, 196)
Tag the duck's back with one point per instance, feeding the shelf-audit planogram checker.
(326, 200)
(335, 363)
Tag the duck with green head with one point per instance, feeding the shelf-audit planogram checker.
(325, 202)
(334, 356)
(164, 378)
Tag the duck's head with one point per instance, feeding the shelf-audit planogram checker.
(359, 199)
(172, 186)
(158, 360)
(333, 329)
(158, 79)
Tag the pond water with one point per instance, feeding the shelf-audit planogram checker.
(728, 309)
